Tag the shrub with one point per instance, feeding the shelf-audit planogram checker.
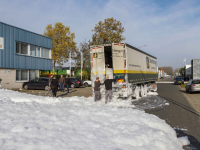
(183, 85)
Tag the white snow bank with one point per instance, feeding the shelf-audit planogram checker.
(152, 93)
(34, 122)
(184, 140)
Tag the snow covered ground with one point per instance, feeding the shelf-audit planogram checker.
(29, 122)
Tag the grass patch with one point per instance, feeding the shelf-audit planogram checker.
(183, 85)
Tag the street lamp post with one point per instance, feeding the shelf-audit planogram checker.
(70, 63)
(81, 64)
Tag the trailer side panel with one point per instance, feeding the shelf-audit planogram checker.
(140, 67)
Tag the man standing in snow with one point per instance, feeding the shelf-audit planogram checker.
(108, 85)
(54, 86)
(62, 82)
(50, 79)
(97, 84)
(67, 81)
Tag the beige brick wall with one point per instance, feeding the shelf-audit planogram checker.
(8, 77)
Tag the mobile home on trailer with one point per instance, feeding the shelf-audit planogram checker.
(134, 70)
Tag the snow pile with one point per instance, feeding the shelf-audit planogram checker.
(184, 140)
(152, 93)
(34, 122)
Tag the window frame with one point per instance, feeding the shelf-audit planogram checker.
(20, 50)
(21, 75)
(44, 53)
(35, 50)
(39, 50)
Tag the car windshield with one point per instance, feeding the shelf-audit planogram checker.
(179, 79)
(196, 82)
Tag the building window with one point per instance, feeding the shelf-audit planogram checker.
(22, 48)
(33, 50)
(18, 48)
(45, 53)
(38, 51)
(34, 74)
(42, 52)
(18, 75)
(21, 75)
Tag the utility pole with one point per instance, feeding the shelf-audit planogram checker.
(70, 63)
(81, 64)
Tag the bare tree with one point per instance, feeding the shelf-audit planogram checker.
(167, 70)
(85, 49)
(176, 70)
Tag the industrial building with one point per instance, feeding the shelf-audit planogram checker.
(195, 68)
(22, 55)
(187, 69)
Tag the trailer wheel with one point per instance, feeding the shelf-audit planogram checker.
(142, 91)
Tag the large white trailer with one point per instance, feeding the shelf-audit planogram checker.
(134, 70)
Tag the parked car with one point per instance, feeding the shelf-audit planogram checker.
(193, 85)
(178, 80)
(37, 83)
(161, 77)
(75, 82)
(87, 83)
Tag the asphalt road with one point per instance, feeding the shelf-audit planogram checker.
(179, 114)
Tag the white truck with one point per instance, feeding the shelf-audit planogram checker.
(134, 70)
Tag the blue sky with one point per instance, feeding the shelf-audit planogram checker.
(169, 28)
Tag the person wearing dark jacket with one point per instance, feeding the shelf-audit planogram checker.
(108, 85)
(67, 82)
(50, 79)
(54, 86)
(97, 84)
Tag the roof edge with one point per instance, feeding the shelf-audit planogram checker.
(139, 50)
(25, 30)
